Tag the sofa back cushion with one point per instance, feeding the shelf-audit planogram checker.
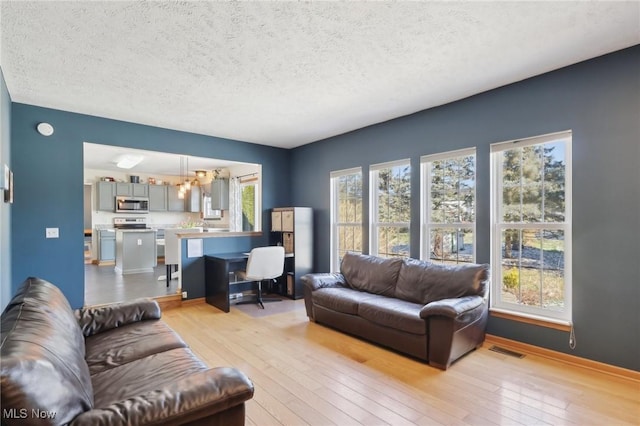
(42, 350)
(424, 282)
(372, 274)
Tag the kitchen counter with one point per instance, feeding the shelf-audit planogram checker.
(135, 251)
(218, 234)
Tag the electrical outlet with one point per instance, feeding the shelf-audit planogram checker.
(52, 233)
(184, 294)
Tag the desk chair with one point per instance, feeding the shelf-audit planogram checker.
(265, 263)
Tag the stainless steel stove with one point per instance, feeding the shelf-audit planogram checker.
(130, 223)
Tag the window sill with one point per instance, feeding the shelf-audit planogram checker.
(530, 319)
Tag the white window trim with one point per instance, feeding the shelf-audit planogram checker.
(426, 224)
(373, 203)
(564, 316)
(334, 255)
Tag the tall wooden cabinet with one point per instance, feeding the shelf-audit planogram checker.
(292, 227)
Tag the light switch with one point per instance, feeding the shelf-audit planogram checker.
(52, 233)
(139, 242)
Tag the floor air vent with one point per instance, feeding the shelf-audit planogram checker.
(506, 352)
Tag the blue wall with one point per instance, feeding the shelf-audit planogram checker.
(599, 100)
(48, 175)
(5, 209)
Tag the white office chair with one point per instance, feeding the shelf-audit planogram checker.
(171, 248)
(264, 263)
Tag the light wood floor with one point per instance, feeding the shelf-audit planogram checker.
(305, 373)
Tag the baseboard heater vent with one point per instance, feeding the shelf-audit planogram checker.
(506, 351)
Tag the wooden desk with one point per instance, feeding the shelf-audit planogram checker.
(220, 278)
(217, 270)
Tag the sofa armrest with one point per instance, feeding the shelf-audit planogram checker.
(317, 281)
(451, 308)
(195, 397)
(102, 318)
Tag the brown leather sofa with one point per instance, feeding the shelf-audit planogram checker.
(111, 365)
(433, 312)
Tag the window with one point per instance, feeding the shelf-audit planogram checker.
(531, 233)
(346, 214)
(390, 209)
(448, 207)
(248, 193)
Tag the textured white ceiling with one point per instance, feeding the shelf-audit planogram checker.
(285, 74)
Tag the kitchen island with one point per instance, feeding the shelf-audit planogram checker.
(136, 251)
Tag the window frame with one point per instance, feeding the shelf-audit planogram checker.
(334, 212)
(374, 225)
(563, 316)
(426, 225)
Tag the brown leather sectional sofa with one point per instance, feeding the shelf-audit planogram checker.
(112, 365)
(433, 312)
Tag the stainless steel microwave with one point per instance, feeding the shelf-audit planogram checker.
(132, 205)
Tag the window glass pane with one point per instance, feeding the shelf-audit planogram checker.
(394, 194)
(467, 206)
(532, 164)
(532, 203)
(511, 203)
(248, 207)
(511, 160)
(393, 241)
(553, 269)
(451, 245)
(554, 182)
(533, 267)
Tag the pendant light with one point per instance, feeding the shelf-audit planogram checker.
(187, 183)
(181, 189)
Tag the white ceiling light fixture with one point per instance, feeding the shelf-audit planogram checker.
(128, 161)
(45, 129)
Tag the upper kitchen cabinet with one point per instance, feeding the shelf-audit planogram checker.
(220, 194)
(105, 193)
(158, 198)
(193, 199)
(132, 189)
(174, 202)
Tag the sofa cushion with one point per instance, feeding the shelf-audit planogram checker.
(151, 373)
(372, 274)
(424, 282)
(394, 313)
(42, 350)
(343, 300)
(128, 343)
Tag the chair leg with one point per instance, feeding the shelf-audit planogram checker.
(168, 271)
(259, 299)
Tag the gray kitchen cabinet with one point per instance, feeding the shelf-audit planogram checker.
(140, 189)
(106, 246)
(193, 199)
(158, 198)
(123, 188)
(174, 202)
(105, 193)
(220, 194)
(132, 189)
